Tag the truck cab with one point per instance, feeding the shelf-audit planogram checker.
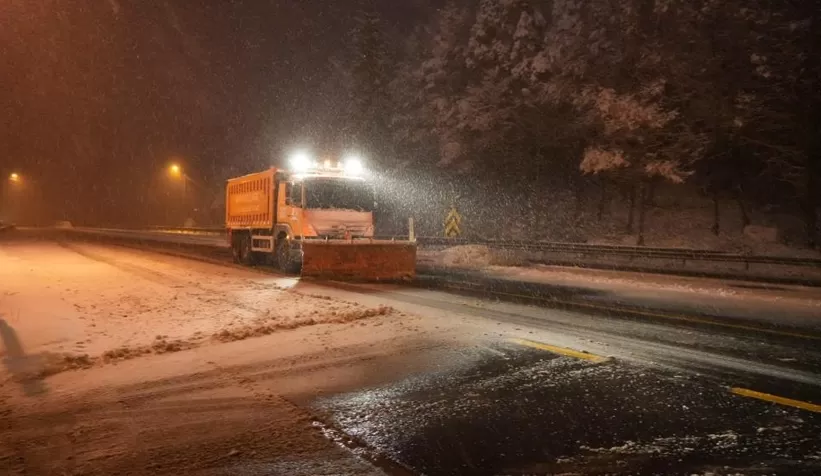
(328, 206)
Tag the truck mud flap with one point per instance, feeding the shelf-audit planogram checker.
(368, 261)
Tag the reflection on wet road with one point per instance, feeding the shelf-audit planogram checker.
(509, 409)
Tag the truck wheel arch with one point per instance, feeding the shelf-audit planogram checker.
(281, 231)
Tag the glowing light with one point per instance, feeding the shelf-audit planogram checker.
(353, 165)
(301, 161)
(175, 170)
(14, 177)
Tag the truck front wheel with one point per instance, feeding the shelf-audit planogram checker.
(284, 259)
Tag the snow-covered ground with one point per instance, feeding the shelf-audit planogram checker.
(114, 303)
(122, 315)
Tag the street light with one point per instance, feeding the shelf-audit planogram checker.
(14, 177)
(176, 171)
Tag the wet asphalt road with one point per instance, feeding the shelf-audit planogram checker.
(505, 408)
(661, 405)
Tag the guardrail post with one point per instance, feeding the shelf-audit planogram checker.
(411, 232)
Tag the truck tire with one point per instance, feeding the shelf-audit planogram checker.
(235, 251)
(284, 259)
(242, 250)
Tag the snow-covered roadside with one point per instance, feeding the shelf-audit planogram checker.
(774, 304)
(480, 256)
(620, 281)
(79, 305)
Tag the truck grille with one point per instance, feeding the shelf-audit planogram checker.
(353, 231)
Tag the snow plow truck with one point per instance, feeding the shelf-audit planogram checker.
(314, 220)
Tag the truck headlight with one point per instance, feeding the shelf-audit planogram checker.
(301, 161)
(353, 165)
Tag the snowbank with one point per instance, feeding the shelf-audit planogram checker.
(269, 326)
(467, 256)
(106, 305)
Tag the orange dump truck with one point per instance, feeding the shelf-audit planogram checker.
(319, 222)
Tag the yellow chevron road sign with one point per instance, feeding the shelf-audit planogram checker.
(452, 222)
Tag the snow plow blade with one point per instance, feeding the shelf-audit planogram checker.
(359, 260)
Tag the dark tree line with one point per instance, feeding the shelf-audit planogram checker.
(722, 94)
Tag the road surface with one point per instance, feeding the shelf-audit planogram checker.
(121, 361)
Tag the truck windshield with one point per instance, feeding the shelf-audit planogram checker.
(343, 194)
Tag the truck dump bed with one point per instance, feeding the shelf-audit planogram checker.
(249, 201)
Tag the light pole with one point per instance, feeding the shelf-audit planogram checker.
(176, 171)
(13, 196)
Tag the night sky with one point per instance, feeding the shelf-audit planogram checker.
(98, 97)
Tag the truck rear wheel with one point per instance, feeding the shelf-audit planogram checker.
(235, 249)
(241, 250)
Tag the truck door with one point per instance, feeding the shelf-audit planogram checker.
(290, 213)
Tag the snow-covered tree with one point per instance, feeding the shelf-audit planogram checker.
(783, 125)
(634, 93)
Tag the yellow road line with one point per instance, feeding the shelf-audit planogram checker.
(744, 392)
(673, 317)
(561, 350)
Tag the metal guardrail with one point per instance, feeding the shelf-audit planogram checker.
(189, 230)
(583, 249)
(179, 238)
(579, 249)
